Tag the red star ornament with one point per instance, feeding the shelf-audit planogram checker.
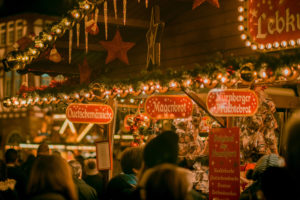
(85, 71)
(117, 49)
(212, 2)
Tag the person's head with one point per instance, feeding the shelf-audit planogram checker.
(51, 174)
(56, 153)
(43, 149)
(166, 181)
(292, 144)
(90, 167)
(131, 160)
(11, 156)
(161, 149)
(3, 171)
(76, 169)
(271, 160)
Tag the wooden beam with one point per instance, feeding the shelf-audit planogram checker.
(129, 22)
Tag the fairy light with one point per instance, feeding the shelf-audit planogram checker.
(23, 102)
(276, 44)
(255, 73)
(188, 82)
(201, 86)
(219, 76)
(269, 46)
(241, 18)
(16, 103)
(36, 99)
(172, 84)
(76, 15)
(286, 71)
(292, 42)
(264, 74)
(87, 95)
(241, 28)
(223, 79)
(254, 47)
(248, 43)
(157, 86)
(65, 97)
(131, 100)
(49, 37)
(130, 89)
(145, 88)
(261, 46)
(67, 23)
(283, 43)
(243, 36)
(206, 81)
(76, 96)
(58, 31)
(33, 51)
(122, 100)
(241, 9)
(45, 99)
(87, 6)
(53, 98)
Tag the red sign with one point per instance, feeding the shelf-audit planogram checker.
(232, 102)
(89, 113)
(271, 21)
(168, 107)
(224, 164)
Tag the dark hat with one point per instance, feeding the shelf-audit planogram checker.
(162, 149)
(43, 149)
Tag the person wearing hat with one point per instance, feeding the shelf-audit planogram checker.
(254, 190)
(93, 177)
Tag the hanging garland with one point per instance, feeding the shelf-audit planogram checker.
(233, 72)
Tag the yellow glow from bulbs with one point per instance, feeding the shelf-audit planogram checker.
(255, 73)
(173, 84)
(283, 43)
(264, 74)
(248, 43)
(269, 46)
(58, 31)
(131, 100)
(219, 76)
(241, 18)
(67, 23)
(286, 71)
(261, 47)
(206, 81)
(49, 37)
(276, 44)
(241, 9)
(292, 42)
(223, 79)
(254, 47)
(87, 95)
(33, 52)
(241, 27)
(145, 88)
(244, 36)
(157, 86)
(87, 6)
(188, 82)
(76, 15)
(130, 89)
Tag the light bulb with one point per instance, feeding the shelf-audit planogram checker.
(50, 37)
(243, 36)
(292, 42)
(261, 46)
(131, 100)
(241, 28)
(269, 46)
(248, 43)
(241, 9)
(286, 71)
(254, 47)
(276, 44)
(284, 43)
(241, 18)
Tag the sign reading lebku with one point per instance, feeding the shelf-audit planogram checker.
(232, 102)
(271, 21)
(168, 106)
(89, 113)
(224, 164)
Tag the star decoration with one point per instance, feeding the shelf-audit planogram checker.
(117, 49)
(85, 71)
(212, 2)
(151, 38)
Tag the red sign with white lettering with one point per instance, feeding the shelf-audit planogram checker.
(168, 107)
(89, 113)
(271, 21)
(224, 164)
(228, 103)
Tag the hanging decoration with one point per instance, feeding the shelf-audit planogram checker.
(105, 17)
(78, 33)
(85, 72)
(151, 38)
(200, 2)
(86, 34)
(146, 3)
(92, 26)
(117, 48)
(70, 44)
(54, 55)
(124, 11)
(115, 9)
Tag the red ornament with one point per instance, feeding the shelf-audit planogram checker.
(117, 49)
(212, 2)
(85, 72)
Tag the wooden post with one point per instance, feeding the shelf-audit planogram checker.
(111, 130)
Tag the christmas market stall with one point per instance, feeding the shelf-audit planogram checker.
(223, 75)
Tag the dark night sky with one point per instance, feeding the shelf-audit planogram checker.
(48, 7)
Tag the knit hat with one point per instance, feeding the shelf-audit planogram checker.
(43, 149)
(162, 149)
(91, 167)
(271, 160)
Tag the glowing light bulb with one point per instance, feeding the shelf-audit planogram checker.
(264, 74)
(173, 84)
(243, 36)
(145, 88)
(292, 42)
(77, 96)
(157, 86)
(276, 44)
(87, 95)
(53, 99)
(284, 43)
(223, 79)
(67, 23)
(45, 99)
(241, 18)
(219, 76)
(241, 28)
(269, 46)
(254, 47)
(241, 9)
(255, 73)
(33, 51)
(261, 46)
(248, 43)
(131, 100)
(206, 81)
(286, 71)
(202, 86)
(76, 15)
(65, 97)
(87, 6)
(50, 37)
(130, 89)
(122, 100)
(188, 82)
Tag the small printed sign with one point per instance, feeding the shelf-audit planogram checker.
(103, 155)
(89, 113)
(226, 103)
(168, 106)
(224, 164)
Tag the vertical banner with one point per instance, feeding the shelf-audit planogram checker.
(224, 164)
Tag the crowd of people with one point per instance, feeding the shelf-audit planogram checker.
(149, 172)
